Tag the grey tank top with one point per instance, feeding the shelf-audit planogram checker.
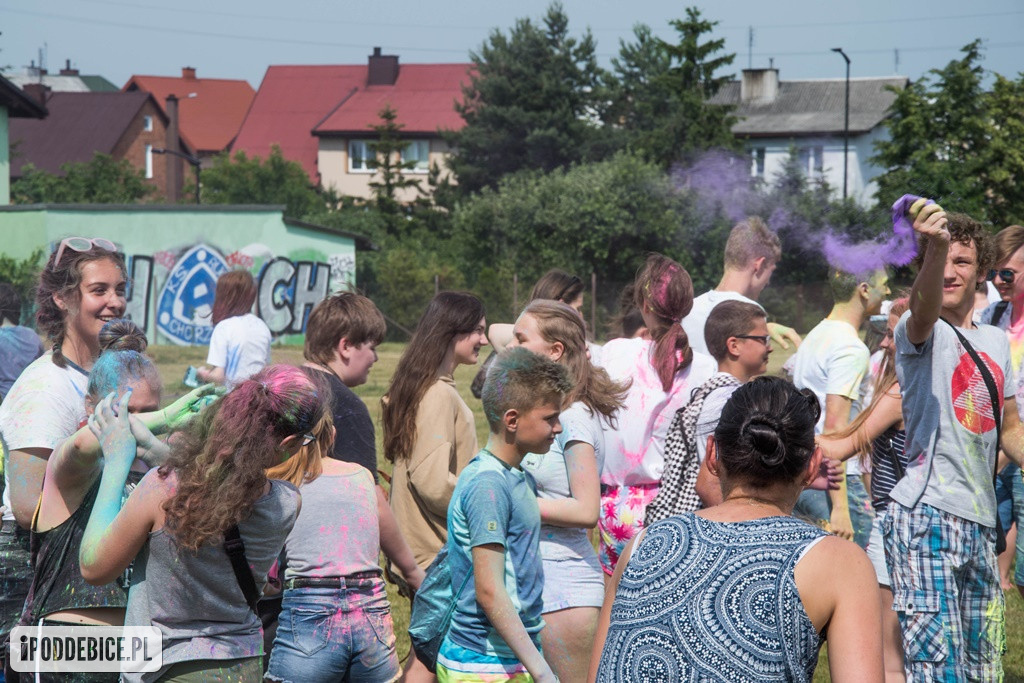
(338, 531)
(194, 598)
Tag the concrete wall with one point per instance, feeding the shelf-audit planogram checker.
(332, 163)
(860, 183)
(176, 253)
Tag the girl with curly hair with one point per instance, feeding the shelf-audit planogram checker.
(174, 524)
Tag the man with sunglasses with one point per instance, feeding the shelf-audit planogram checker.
(1008, 315)
(832, 362)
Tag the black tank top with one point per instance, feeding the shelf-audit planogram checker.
(57, 582)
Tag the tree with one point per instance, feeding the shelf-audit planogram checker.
(532, 102)
(22, 275)
(387, 150)
(951, 140)
(241, 179)
(102, 180)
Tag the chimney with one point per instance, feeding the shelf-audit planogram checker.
(67, 70)
(383, 69)
(759, 86)
(175, 174)
(38, 92)
(188, 73)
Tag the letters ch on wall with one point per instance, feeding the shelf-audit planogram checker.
(287, 290)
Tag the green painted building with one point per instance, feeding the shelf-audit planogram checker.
(175, 253)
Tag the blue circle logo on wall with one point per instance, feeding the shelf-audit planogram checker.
(183, 312)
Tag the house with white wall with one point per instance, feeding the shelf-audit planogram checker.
(808, 115)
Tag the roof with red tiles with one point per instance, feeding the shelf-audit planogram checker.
(423, 97)
(295, 104)
(211, 110)
(79, 125)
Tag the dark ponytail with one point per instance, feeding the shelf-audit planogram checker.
(766, 432)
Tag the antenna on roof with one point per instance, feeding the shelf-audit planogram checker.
(771, 62)
(896, 58)
(750, 47)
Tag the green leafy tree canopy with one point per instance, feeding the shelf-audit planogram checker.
(102, 180)
(241, 179)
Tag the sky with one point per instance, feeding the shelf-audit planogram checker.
(241, 38)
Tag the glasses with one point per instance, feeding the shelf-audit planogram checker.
(763, 338)
(82, 244)
(1005, 274)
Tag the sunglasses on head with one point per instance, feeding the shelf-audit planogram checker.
(82, 244)
(1005, 274)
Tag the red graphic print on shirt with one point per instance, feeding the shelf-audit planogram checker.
(971, 400)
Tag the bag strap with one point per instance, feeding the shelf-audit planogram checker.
(897, 466)
(235, 549)
(990, 383)
(1000, 309)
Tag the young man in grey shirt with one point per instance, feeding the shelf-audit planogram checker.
(939, 530)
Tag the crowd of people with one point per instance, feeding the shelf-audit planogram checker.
(653, 509)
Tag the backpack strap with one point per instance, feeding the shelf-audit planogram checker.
(235, 549)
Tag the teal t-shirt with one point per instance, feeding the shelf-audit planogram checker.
(495, 503)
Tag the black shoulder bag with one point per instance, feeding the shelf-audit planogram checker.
(235, 549)
(993, 393)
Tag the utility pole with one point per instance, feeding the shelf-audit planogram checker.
(846, 122)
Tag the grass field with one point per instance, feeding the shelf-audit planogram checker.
(172, 362)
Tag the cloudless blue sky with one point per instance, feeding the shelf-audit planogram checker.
(240, 38)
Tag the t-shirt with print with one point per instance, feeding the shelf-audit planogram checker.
(19, 346)
(551, 475)
(353, 427)
(1015, 336)
(710, 414)
(949, 418)
(45, 406)
(495, 503)
(240, 345)
(635, 446)
(697, 318)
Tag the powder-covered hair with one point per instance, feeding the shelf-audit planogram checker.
(558, 285)
(63, 280)
(221, 459)
(965, 230)
(749, 240)
(345, 314)
(766, 432)
(448, 315)
(522, 380)
(122, 360)
(10, 304)
(307, 464)
(664, 291)
(558, 322)
(235, 295)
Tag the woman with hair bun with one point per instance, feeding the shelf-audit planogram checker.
(744, 590)
(240, 343)
(663, 371)
(58, 594)
(174, 524)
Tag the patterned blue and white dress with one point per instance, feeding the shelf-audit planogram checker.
(713, 601)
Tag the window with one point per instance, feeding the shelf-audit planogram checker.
(757, 162)
(812, 161)
(417, 153)
(149, 161)
(147, 123)
(360, 157)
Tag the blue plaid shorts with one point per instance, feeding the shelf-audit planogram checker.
(946, 592)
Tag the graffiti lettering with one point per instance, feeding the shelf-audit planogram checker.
(288, 291)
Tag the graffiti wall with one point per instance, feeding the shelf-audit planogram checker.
(177, 287)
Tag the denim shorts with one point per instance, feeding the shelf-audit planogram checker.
(333, 634)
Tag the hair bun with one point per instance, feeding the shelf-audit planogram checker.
(763, 431)
(122, 334)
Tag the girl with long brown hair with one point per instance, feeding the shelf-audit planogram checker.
(174, 524)
(664, 371)
(240, 343)
(568, 480)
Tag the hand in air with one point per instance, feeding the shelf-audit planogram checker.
(109, 423)
(929, 220)
(829, 475)
(780, 333)
(150, 449)
(179, 413)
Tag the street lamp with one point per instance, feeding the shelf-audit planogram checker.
(846, 120)
(195, 161)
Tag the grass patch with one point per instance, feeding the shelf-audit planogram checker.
(173, 360)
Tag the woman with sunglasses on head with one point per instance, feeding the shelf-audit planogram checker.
(175, 523)
(240, 343)
(81, 287)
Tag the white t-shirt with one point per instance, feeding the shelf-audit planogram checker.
(240, 345)
(635, 448)
(45, 406)
(694, 322)
(831, 360)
